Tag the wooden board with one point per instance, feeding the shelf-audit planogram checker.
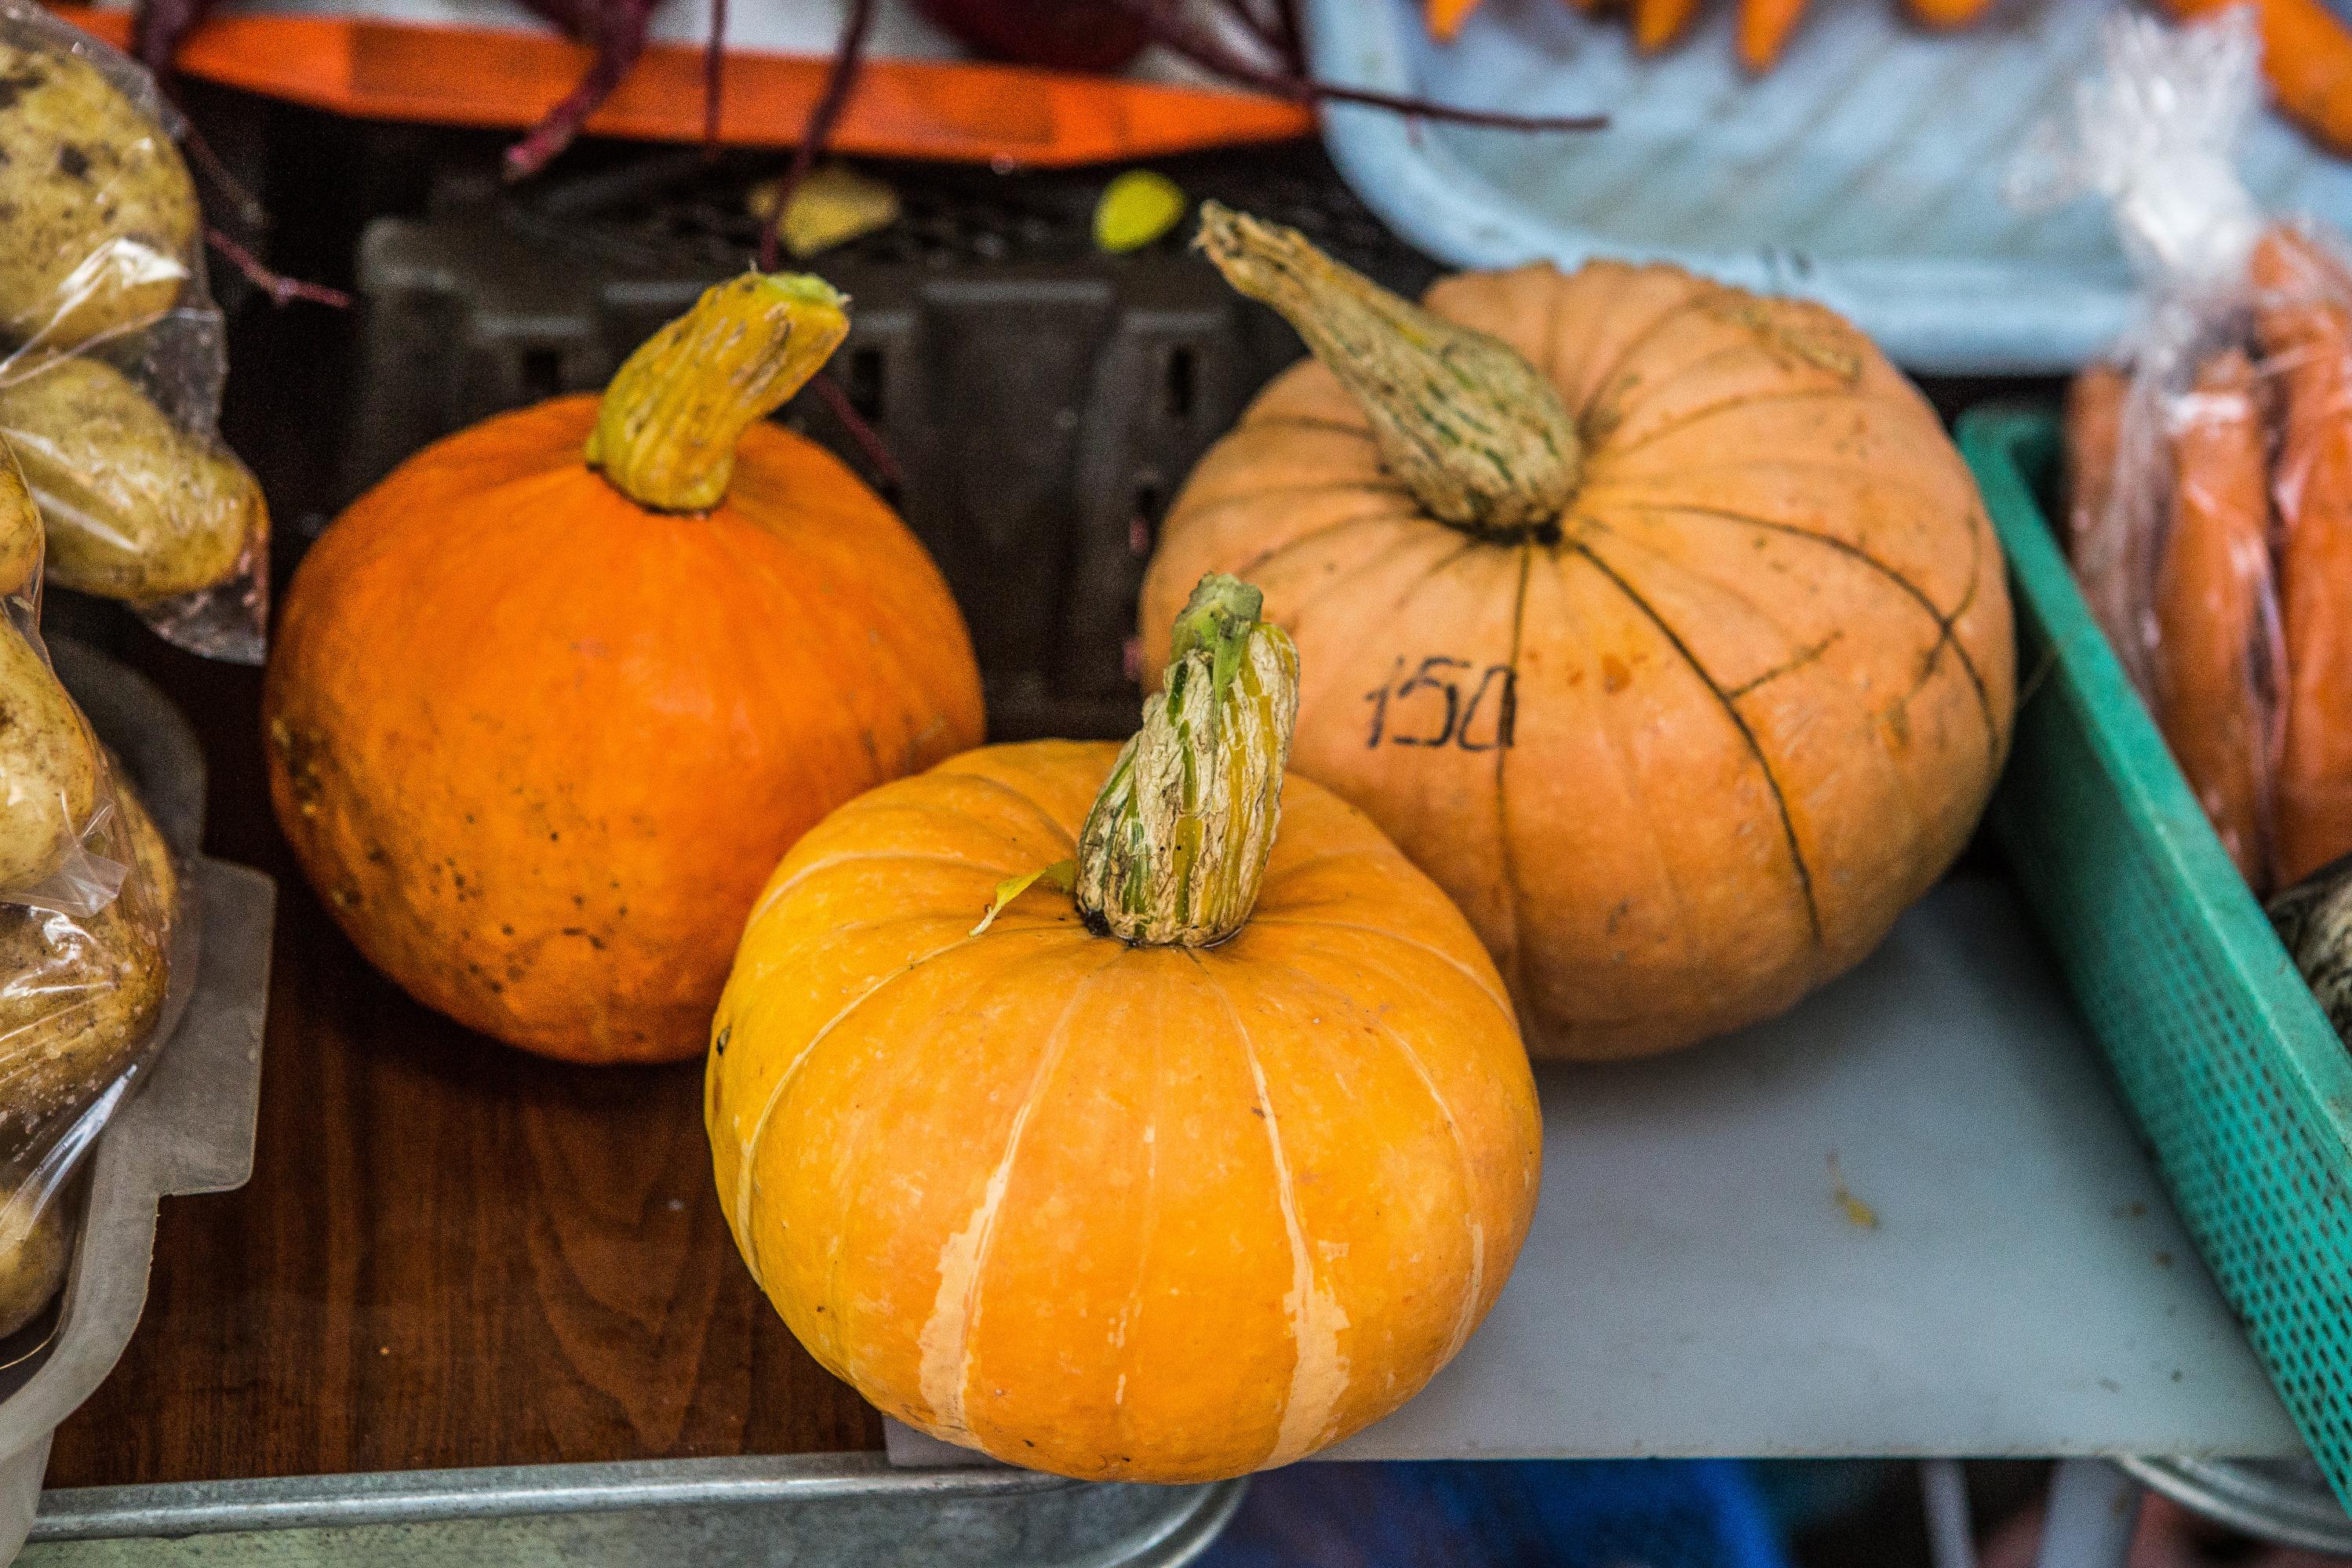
(450, 1253)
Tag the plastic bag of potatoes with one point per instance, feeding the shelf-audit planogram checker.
(88, 896)
(112, 352)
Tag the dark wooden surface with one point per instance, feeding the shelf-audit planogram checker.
(449, 1254)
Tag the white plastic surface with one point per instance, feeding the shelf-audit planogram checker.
(1695, 1287)
(1865, 172)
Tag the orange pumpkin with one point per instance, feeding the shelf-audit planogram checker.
(1658, 622)
(539, 723)
(1193, 1173)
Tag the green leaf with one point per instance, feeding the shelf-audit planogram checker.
(1136, 209)
(1063, 874)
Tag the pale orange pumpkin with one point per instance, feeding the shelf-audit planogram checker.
(540, 722)
(1660, 622)
(1185, 1175)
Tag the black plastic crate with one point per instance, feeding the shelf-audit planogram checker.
(1041, 402)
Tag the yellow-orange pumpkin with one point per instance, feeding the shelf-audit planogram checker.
(1145, 1187)
(1659, 622)
(537, 729)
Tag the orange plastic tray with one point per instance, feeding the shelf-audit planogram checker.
(903, 109)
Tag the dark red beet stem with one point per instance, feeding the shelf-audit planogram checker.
(1173, 31)
(842, 79)
(714, 77)
(619, 36)
(869, 440)
(281, 289)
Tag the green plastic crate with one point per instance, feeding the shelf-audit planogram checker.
(2238, 1084)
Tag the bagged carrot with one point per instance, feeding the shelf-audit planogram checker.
(2218, 646)
(2094, 416)
(2302, 319)
(2172, 527)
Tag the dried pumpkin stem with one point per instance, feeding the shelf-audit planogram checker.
(1474, 431)
(666, 430)
(1175, 847)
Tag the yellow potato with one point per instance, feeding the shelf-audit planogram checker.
(32, 1258)
(79, 994)
(136, 509)
(20, 529)
(48, 766)
(96, 208)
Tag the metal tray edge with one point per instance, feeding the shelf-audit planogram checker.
(300, 1503)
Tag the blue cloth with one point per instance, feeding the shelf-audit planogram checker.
(1597, 1514)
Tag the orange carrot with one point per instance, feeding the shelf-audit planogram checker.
(1446, 17)
(2304, 321)
(2306, 56)
(2094, 417)
(1657, 22)
(1944, 16)
(2216, 654)
(1764, 30)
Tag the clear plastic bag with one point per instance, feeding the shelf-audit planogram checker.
(2210, 464)
(89, 899)
(111, 351)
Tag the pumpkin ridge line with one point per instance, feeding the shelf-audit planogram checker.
(1900, 785)
(1602, 383)
(981, 1225)
(774, 895)
(1738, 721)
(1512, 885)
(1468, 1319)
(1943, 624)
(1318, 858)
(1307, 422)
(849, 1148)
(1060, 832)
(1413, 590)
(1502, 1005)
(1704, 412)
(1302, 1266)
(1354, 520)
(1603, 720)
(750, 1140)
(1328, 674)
(1147, 1228)
(1381, 483)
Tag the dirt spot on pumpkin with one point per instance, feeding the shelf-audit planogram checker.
(1616, 677)
(301, 751)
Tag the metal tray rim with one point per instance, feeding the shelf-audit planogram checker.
(411, 1497)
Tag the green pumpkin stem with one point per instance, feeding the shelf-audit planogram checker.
(1475, 432)
(666, 430)
(1176, 845)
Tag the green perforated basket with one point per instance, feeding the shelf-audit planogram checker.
(2237, 1083)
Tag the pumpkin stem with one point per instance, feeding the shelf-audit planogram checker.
(1474, 431)
(666, 430)
(1176, 845)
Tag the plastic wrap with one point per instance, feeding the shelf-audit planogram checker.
(89, 895)
(111, 351)
(2206, 463)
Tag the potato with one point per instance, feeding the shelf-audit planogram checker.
(20, 528)
(48, 766)
(136, 509)
(78, 995)
(97, 210)
(32, 1258)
